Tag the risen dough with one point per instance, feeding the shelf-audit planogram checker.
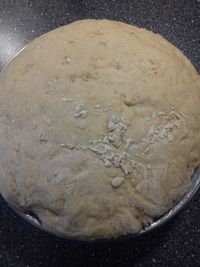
(99, 128)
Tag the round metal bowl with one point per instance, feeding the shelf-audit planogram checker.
(157, 222)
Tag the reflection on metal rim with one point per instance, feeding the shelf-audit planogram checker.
(195, 184)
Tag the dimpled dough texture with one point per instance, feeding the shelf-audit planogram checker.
(99, 128)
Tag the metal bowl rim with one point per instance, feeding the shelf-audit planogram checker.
(194, 186)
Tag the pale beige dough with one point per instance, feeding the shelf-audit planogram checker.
(99, 128)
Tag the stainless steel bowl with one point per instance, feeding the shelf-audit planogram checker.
(195, 184)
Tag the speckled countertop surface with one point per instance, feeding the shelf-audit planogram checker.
(175, 244)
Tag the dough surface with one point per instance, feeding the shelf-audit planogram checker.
(99, 128)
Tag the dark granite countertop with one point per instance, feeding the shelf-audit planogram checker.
(175, 244)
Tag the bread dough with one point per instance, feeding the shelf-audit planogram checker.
(100, 128)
